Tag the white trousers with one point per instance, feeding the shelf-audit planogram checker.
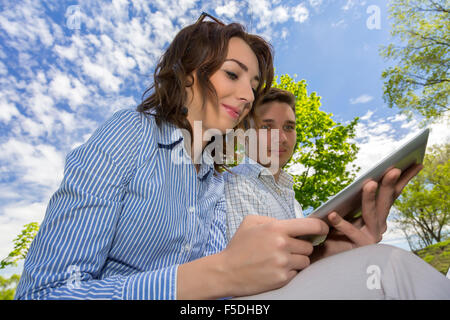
(371, 272)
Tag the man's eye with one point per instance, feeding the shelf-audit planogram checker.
(231, 75)
(289, 128)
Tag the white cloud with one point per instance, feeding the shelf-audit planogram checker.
(300, 13)
(361, 99)
(367, 115)
(63, 86)
(8, 110)
(440, 133)
(315, 3)
(268, 14)
(27, 25)
(229, 9)
(38, 164)
(352, 3)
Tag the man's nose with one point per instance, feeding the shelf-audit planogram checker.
(282, 136)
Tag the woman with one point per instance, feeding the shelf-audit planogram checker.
(132, 221)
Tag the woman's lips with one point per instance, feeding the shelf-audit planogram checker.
(233, 112)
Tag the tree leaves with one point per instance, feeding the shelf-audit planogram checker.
(423, 208)
(21, 245)
(420, 81)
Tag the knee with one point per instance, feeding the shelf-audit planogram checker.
(388, 255)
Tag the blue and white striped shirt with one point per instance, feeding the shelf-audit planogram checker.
(125, 216)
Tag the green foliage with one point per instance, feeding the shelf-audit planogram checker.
(323, 148)
(21, 245)
(423, 209)
(420, 80)
(437, 255)
(8, 287)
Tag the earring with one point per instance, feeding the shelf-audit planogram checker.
(184, 111)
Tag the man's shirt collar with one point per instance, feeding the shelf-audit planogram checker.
(252, 168)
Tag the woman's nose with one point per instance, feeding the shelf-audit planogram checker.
(246, 93)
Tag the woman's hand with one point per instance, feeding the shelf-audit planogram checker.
(264, 253)
(369, 228)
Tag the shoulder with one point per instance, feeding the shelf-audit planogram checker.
(125, 123)
(240, 181)
(123, 136)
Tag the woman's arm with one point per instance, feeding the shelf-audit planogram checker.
(67, 257)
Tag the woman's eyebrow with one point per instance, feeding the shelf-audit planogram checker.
(243, 66)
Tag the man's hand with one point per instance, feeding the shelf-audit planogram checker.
(264, 253)
(369, 228)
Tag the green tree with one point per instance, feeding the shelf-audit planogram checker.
(8, 287)
(420, 80)
(423, 209)
(21, 245)
(323, 150)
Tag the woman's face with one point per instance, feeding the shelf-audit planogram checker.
(234, 83)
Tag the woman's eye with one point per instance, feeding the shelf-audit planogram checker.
(264, 127)
(289, 128)
(231, 75)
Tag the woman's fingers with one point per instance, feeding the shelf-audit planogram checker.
(307, 226)
(299, 262)
(296, 246)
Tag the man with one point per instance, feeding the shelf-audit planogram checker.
(260, 197)
(255, 189)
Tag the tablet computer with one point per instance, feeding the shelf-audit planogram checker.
(347, 203)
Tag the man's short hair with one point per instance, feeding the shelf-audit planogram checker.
(279, 95)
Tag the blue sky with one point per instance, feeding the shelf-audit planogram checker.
(66, 66)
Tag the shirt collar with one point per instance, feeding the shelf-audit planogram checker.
(252, 168)
(170, 136)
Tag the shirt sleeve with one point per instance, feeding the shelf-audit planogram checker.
(217, 240)
(66, 258)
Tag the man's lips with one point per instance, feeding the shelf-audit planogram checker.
(232, 111)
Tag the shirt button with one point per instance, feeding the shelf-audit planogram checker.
(191, 209)
(187, 247)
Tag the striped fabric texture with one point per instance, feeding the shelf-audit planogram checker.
(130, 209)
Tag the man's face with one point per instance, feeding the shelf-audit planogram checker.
(280, 116)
